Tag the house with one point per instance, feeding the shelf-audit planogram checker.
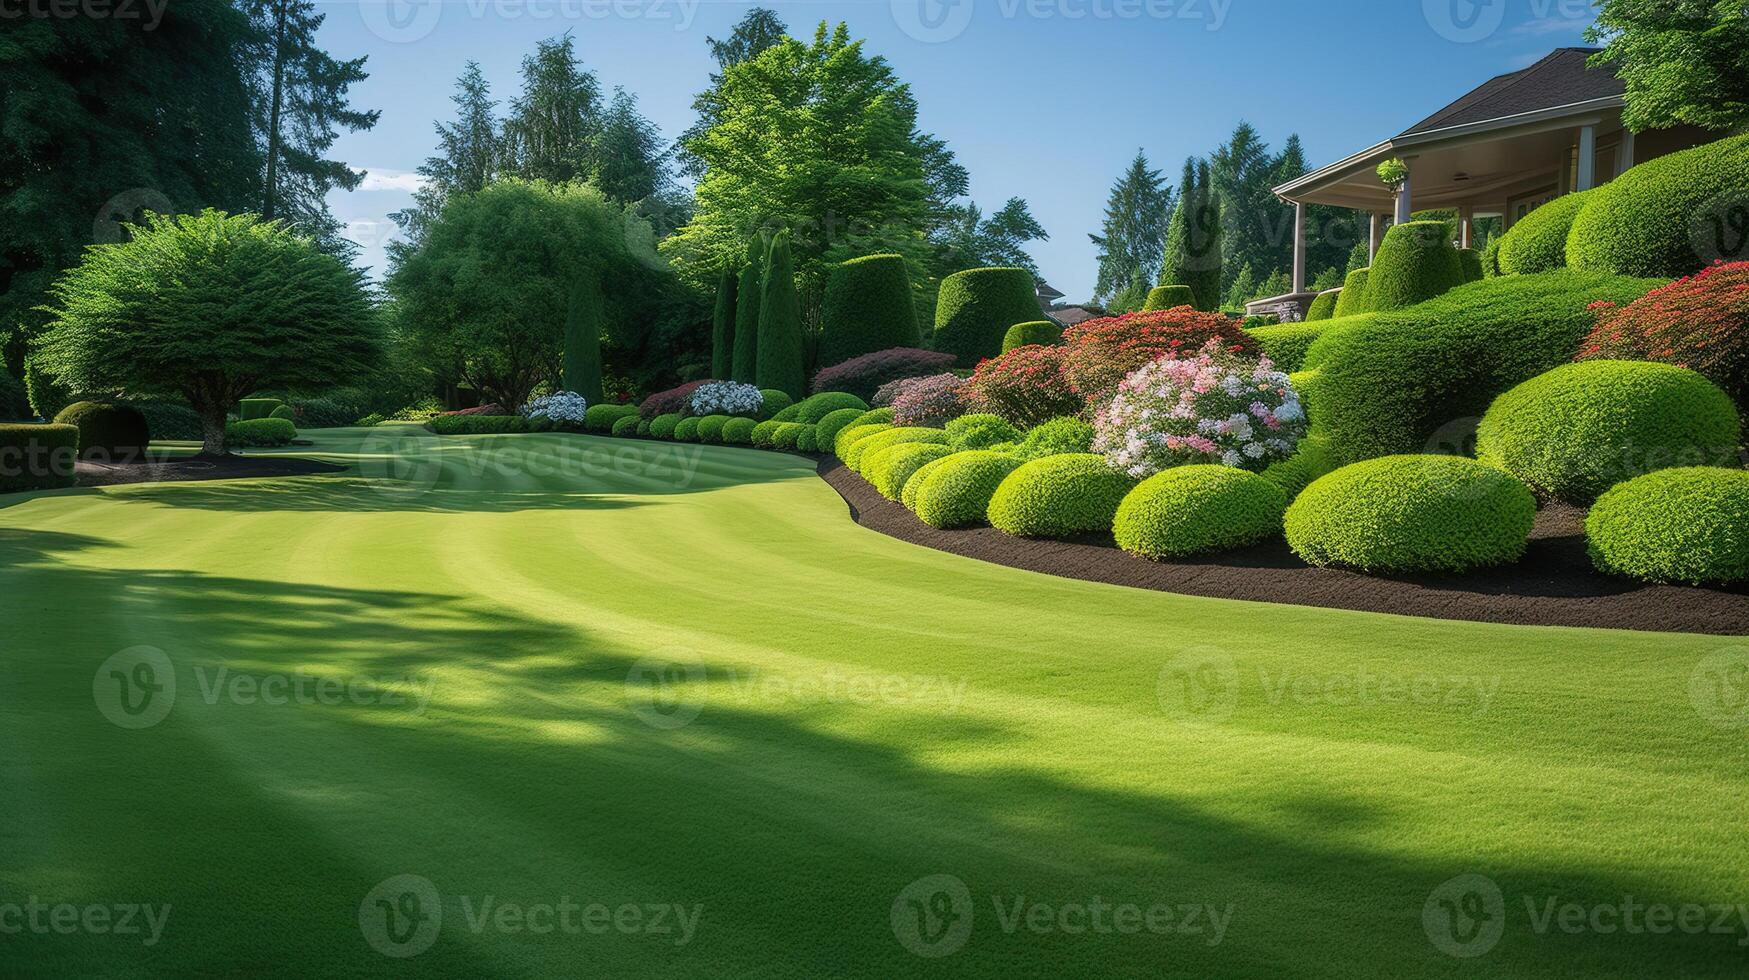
(1518, 141)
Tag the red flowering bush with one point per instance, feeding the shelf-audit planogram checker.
(933, 401)
(1101, 353)
(1700, 323)
(1025, 386)
(674, 401)
(862, 376)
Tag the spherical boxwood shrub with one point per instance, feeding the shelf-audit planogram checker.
(1059, 496)
(1679, 525)
(775, 402)
(664, 426)
(257, 408)
(267, 433)
(1168, 297)
(710, 428)
(765, 433)
(863, 376)
(908, 493)
(787, 435)
(816, 407)
(1582, 428)
(1352, 299)
(1057, 437)
(1416, 262)
(738, 431)
(686, 430)
(848, 436)
(1323, 307)
(955, 491)
(826, 430)
(1700, 322)
(859, 451)
(1667, 217)
(979, 431)
(1040, 333)
(604, 417)
(1193, 509)
(888, 469)
(37, 457)
(808, 440)
(867, 307)
(1538, 241)
(1400, 514)
(976, 307)
(107, 431)
(627, 425)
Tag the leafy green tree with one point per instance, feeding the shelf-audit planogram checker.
(781, 355)
(1243, 290)
(1193, 239)
(748, 295)
(629, 160)
(550, 134)
(470, 156)
(971, 241)
(1132, 240)
(723, 324)
(1683, 61)
(209, 307)
(757, 30)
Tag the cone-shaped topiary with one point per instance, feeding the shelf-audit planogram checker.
(1168, 297)
(745, 364)
(583, 341)
(1669, 216)
(1042, 333)
(1538, 241)
(1352, 299)
(723, 324)
(867, 307)
(1415, 263)
(779, 358)
(976, 307)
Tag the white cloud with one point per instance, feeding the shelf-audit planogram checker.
(384, 179)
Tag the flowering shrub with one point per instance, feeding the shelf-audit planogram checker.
(489, 409)
(931, 401)
(1026, 386)
(671, 401)
(726, 398)
(1215, 406)
(862, 376)
(1700, 323)
(560, 406)
(885, 394)
(1101, 353)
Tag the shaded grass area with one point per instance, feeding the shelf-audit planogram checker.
(704, 687)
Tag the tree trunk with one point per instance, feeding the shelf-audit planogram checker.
(272, 183)
(212, 430)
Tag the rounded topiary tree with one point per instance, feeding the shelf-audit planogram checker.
(1416, 262)
(1192, 509)
(209, 307)
(1580, 429)
(1168, 297)
(1537, 242)
(975, 309)
(1352, 299)
(107, 431)
(1678, 525)
(956, 490)
(1669, 216)
(867, 307)
(779, 361)
(1032, 333)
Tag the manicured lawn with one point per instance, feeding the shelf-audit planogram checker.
(863, 714)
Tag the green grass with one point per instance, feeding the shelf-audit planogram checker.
(1026, 735)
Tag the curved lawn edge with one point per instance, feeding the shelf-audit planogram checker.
(1554, 585)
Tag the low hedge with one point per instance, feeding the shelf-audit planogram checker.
(1352, 299)
(1323, 307)
(1286, 344)
(257, 408)
(980, 430)
(1470, 261)
(603, 418)
(686, 430)
(1678, 525)
(107, 431)
(887, 470)
(1057, 437)
(1041, 333)
(826, 430)
(848, 436)
(1059, 496)
(787, 435)
(627, 425)
(663, 426)
(812, 409)
(857, 452)
(764, 432)
(955, 490)
(1416, 262)
(37, 457)
(473, 425)
(270, 432)
(1667, 217)
(1189, 510)
(739, 431)
(808, 440)
(710, 428)
(1168, 298)
(1580, 429)
(1293, 475)
(1537, 242)
(1401, 514)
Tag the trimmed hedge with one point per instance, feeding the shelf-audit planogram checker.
(1580, 429)
(863, 376)
(266, 433)
(1677, 525)
(859, 451)
(1388, 382)
(602, 418)
(975, 308)
(744, 359)
(466, 425)
(1537, 242)
(887, 470)
(686, 430)
(627, 425)
(1416, 262)
(1491, 257)
(980, 430)
(1667, 217)
(826, 430)
(663, 426)
(710, 428)
(1057, 437)
(774, 404)
(765, 432)
(1403, 514)
(738, 431)
(867, 308)
(107, 431)
(808, 440)
(1352, 299)
(1293, 475)
(643, 429)
(848, 436)
(1188, 510)
(286, 412)
(1286, 344)
(1470, 261)
(1168, 298)
(1032, 333)
(1323, 307)
(1058, 496)
(955, 491)
(812, 409)
(257, 408)
(37, 457)
(787, 435)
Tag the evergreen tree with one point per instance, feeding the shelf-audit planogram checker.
(550, 134)
(1243, 290)
(471, 155)
(757, 30)
(629, 163)
(583, 339)
(1257, 227)
(780, 355)
(970, 241)
(723, 325)
(748, 294)
(1193, 240)
(1132, 240)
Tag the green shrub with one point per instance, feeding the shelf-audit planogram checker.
(744, 359)
(270, 432)
(686, 430)
(1391, 382)
(46, 395)
(1057, 437)
(14, 399)
(914, 484)
(826, 430)
(738, 431)
(603, 418)
(765, 432)
(710, 428)
(664, 426)
(1416, 262)
(477, 425)
(887, 470)
(814, 408)
(1491, 257)
(876, 416)
(867, 308)
(976, 307)
(373, 419)
(848, 435)
(1470, 261)
(1403, 514)
(286, 412)
(787, 435)
(808, 440)
(1677, 525)
(1537, 242)
(1668, 216)
(873, 415)
(857, 452)
(1323, 307)
(1580, 429)
(1059, 496)
(1352, 299)
(257, 408)
(980, 430)
(1040, 333)
(107, 431)
(323, 413)
(37, 457)
(955, 490)
(1188, 510)
(1293, 475)
(170, 420)
(776, 403)
(627, 425)
(1168, 298)
(723, 322)
(1287, 344)
(643, 430)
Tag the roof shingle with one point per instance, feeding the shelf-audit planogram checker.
(1562, 78)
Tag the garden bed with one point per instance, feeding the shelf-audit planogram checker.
(1554, 585)
(185, 468)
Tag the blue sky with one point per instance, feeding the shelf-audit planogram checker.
(1042, 99)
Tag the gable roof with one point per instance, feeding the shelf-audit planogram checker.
(1559, 79)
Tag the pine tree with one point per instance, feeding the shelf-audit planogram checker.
(1193, 240)
(471, 155)
(780, 355)
(551, 131)
(1257, 227)
(629, 161)
(969, 240)
(1132, 242)
(748, 292)
(1243, 290)
(583, 340)
(723, 325)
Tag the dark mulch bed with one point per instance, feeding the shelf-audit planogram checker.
(161, 469)
(1555, 584)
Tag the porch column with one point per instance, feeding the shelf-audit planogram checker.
(1299, 247)
(1405, 204)
(1466, 225)
(1624, 152)
(1587, 158)
(1377, 233)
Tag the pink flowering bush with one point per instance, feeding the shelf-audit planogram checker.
(933, 401)
(1214, 406)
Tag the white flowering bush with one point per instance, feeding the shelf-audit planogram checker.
(565, 407)
(726, 398)
(1214, 406)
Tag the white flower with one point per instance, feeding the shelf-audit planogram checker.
(560, 406)
(726, 398)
